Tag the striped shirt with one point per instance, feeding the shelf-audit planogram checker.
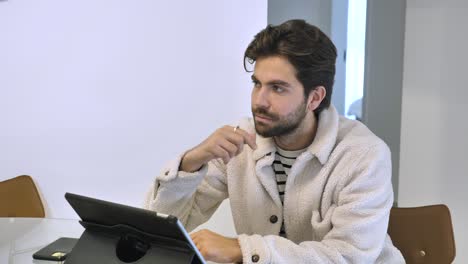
(284, 160)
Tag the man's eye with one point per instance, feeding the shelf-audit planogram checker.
(278, 89)
(256, 83)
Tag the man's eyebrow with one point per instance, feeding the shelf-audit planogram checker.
(273, 82)
(279, 82)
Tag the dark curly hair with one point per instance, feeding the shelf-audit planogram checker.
(306, 47)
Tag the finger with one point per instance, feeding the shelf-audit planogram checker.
(219, 152)
(249, 139)
(203, 253)
(240, 149)
(233, 133)
(239, 136)
(229, 147)
(196, 240)
(198, 245)
(193, 236)
(236, 139)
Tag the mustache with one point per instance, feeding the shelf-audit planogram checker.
(264, 112)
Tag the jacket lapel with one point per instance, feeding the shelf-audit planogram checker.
(264, 156)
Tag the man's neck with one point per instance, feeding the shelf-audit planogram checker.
(300, 138)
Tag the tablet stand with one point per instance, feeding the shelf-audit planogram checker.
(125, 244)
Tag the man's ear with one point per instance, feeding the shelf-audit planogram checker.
(316, 97)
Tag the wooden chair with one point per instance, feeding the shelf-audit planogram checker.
(423, 234)
(19, 198)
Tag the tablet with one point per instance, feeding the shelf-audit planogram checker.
(106, 213)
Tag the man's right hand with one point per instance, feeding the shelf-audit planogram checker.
(225, 143)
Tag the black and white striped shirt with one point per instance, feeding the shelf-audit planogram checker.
(284, 159)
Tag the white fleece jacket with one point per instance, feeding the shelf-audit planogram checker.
(337, 199)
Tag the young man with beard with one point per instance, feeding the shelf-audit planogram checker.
(305, 185)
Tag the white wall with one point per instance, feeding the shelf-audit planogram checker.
(434, 143)
(339, 36)
(95, 96)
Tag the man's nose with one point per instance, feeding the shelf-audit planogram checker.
(261, 98)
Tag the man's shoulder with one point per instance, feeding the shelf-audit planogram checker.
(357, 146)
(356, 135)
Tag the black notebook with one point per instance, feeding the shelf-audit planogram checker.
(57, 250)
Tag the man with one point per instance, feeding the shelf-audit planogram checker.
(305, 185)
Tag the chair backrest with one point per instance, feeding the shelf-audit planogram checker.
(19, 198)
(423, 234)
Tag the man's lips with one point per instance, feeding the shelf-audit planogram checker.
(262, 118)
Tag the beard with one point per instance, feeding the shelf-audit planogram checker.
(279, 125)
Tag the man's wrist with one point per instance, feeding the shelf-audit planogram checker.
(188, 164)
(238, 258)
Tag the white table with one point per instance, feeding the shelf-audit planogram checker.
(21, 237)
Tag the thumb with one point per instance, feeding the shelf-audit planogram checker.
(253, 139)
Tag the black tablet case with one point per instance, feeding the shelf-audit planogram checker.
(116, 233)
